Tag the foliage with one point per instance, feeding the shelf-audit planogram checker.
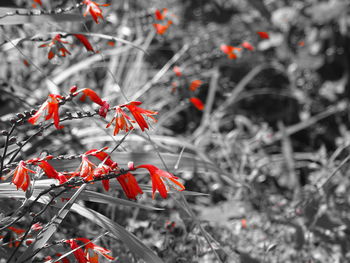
(237, 111)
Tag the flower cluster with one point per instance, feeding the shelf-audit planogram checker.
(233, 52)
(57, 47)
(89, 253)
(121, 120)
(104, 171)
(194, 85)
(13, 236)
(161, 16)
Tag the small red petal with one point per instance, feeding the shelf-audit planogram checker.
(197, 103)
(177, 71)
(51, 55)
(73, 89)
(85, 42)
(263, 35)
(195, 84)
(247, 45)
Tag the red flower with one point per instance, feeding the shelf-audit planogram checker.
(139, 114)
(86, 168)
(102, 156)
(37, 227)
(91, 94)
(230, 51)
(92, 250)
(111, 43)
(48, 169)
(247, 45)
(18, 231)
(122, 121)
(79, 253)
(158, 177)
(130, 186)
(84, 41)
(21, 176)
(103, 169)
(160, 15)
(177, 71)
(106, 166)
(94, 98)
(56, 46)
(38, 2)
(94, 9)
(161, 29)
(197, 103)
(263, 35)
(12, 238)
(195, 84)
(50, 106)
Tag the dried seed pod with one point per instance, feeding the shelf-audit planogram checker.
(13, 120)
(20, 115)
(13, 140)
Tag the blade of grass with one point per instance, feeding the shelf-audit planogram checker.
(44, 236)
(132, 242)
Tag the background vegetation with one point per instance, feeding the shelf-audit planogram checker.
(264, 163)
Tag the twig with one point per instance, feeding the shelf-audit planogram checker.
(5, 148)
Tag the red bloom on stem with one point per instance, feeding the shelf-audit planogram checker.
(94, 98)
(91, 94)
(102, 156)
(122, 121)
(13, 238)
(103, 169)
(161, 29)
(263, 35)
(247, 45)
(197, 103)
(50, 106)
(160, 15)
(86, 168)
(36, 227)
(195, 84)
(79, 253)
(94, 9)
(48, 169)
(140, 114)
(92, 250)
(84, 41)
(18, 231)
(130, 186)
(56, 46)
(230, 51)
(21, 176)
(158, 177)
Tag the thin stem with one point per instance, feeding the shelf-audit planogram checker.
(34, 220)
(5, 148)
